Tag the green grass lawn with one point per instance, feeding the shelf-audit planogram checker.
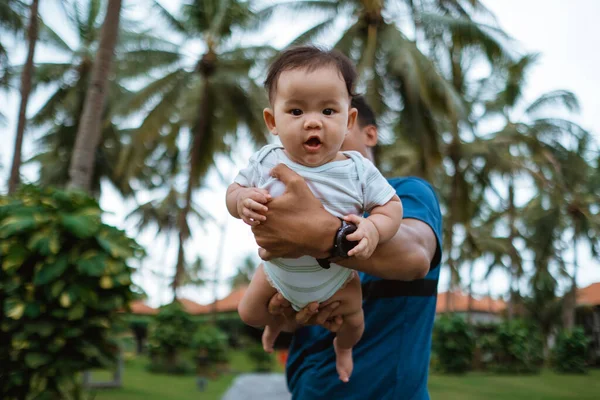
(139, 384)
(142, 385)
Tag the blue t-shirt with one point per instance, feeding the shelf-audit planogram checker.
(391, 361)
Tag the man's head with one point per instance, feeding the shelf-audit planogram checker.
(310, 92)
(363, 135)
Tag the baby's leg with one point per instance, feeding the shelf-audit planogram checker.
(253, 306)
(352, 327)
(253, 309)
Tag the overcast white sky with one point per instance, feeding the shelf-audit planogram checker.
(566, 33)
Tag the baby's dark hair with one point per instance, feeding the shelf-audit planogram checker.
(366, 116)
(310, 58)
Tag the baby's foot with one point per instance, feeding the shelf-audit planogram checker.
(269, 336)
(343, 362)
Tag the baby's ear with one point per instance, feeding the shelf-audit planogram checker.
(269, 118)
(352, 114)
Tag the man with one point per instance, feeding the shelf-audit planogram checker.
(399, 283)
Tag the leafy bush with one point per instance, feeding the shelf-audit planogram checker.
(569, 353)
(169, 339)
(453, 344)
(212, 343)
(513, 347)
(263, 361)
(64, 278)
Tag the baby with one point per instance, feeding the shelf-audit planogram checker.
(310, 92)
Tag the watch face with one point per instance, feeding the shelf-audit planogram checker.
(345, 244)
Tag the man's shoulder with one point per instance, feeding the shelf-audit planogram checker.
(412, 184)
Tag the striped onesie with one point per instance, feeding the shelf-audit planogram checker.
(351, 186)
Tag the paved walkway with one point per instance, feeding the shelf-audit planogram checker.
(258, 387)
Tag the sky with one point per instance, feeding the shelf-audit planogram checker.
(565, 33)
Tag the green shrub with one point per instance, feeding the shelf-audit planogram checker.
(512, 347)
(169, 339)
(64, 277)
(212, 343)
(263, 361)
(569, 353)
(453, 344)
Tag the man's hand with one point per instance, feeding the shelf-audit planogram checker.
(309, 315)
(251, 205)
(296, 222)
(366, 235)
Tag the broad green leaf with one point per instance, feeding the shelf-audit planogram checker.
(57, 288)
(16, 224)
(77, 312)
(116, 249)
(45, 242)
(82, 226)
(106, 282)
(36, 360)
(14, 309)
(32, 310)
(92, 266)
(14, 258)
(49, 272)
(65, 300)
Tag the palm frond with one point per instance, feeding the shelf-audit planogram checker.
(494, 42)
(171, 20)
(313, 33)
(48, 37)
(328, 7)
(563, 98)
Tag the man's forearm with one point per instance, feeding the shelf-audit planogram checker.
(406, 256)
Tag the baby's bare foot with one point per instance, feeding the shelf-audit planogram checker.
(269, 336)
(343, 362)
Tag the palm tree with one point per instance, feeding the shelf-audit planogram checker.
(533, 146)
(89, 131)
(137, 55)
(11, 22)
(162, 214)
(244, 273)
(210, 101)
(32, 35)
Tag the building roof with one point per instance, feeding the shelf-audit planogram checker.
(140, 308)
(589, 295)
(191, 307)
(460, 303)
(226, 304)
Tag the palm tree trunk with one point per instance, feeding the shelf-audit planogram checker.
(198, 136)
(32, 34)
(571, 300)
(90, 128)
(512, 235)
(470, 302)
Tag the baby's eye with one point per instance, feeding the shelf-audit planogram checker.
(296, 112)
(328, 111)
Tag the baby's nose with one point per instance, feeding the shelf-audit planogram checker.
(312, 122)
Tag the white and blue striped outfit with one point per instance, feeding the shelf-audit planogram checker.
(351, 186)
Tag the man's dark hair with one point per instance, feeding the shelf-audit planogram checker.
(366, 116)
(310, 58)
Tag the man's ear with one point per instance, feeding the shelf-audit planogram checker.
(352, 114)
(269, 118)
(371, 135)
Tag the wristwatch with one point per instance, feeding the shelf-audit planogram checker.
(341, 245)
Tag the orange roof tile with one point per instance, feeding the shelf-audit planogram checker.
(140, 308)
(589, 295)
(227, 304)
(460, 303)
(192, 307)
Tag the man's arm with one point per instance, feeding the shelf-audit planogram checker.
(297, 224)
(406, 256)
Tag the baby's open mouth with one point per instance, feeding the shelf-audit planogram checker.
(313, 143)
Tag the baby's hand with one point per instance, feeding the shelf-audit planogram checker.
(251, 205)
(366, 233)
